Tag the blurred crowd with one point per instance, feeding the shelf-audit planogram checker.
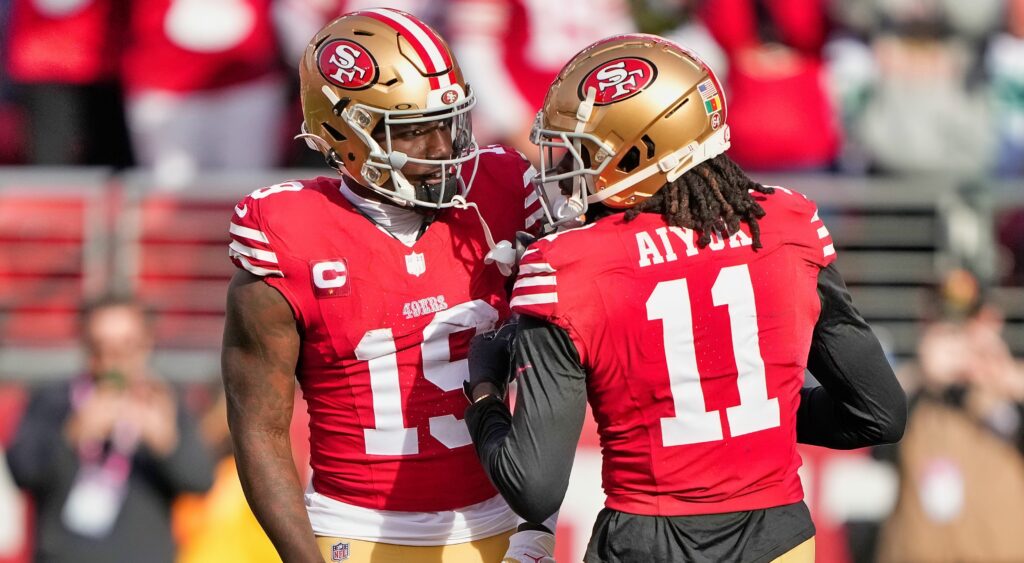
(181, 86)
(897, 87)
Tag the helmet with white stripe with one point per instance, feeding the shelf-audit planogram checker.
(632, 112)
(371, 71)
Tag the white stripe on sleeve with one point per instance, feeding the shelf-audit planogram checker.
(536, 268)
(246, 232)
(261, 255)
(535, 299)
(534, 281)
(534, 218)
(254, 268)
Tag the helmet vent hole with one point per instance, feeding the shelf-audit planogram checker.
(391, 82)
(333, 132)
(675, 109)
(363, 33)
(630, 160)
(650, 146)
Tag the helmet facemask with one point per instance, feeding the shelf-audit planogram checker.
(570, 162)
(375, 128)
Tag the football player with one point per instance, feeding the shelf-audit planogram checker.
(685, 311)
(367, 289)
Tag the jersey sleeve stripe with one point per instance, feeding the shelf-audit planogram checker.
(536, 268)
(533, 218)
(261, 255)
(529, 251)
(822, 231)
(528, 176)
(531, 199)
(814, 218)
(246, 232)
(254, 269)
(828, 250)
(533, 299)
(535, 281)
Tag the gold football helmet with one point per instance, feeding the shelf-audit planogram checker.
(632, 112)
(369, 71)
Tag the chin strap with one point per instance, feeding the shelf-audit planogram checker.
(502, 254)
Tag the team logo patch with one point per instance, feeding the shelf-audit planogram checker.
(450, 97)
(340, 551)
(716, 120)
(618, 80)
(347, 64)
(415, 264)
(330, 278)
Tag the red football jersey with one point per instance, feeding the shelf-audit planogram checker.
(385, 330)
(194, 45)
(695, 357)
(70, 42)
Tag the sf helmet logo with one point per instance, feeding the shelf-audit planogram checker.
(618, 80)
(347, 64)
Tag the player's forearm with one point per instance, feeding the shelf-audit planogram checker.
(860, 402)
(274, 492)
(258, 362)
(529, 456)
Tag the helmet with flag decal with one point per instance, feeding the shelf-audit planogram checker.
(368, 72)
(632, 112)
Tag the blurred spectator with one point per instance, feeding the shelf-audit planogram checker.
(511, 51)
(1005, 64)
(63, 57)
(926, 110)
(679, 21)
(780, 113)
(961, 461)
(219, 526)
(104, 455)
(11, 136)
(203, 85)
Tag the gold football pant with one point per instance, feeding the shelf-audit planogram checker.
(486, 550)
(803, 553)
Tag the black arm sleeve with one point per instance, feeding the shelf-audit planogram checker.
(859, 403)
(529, 456)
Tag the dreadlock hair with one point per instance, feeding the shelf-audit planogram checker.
(713, 196)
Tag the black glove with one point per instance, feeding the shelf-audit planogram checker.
(490, 359)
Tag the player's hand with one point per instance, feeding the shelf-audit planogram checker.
(490, 360)
(530, 546)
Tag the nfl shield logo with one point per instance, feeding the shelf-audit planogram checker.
(415, 264)
(339, 552)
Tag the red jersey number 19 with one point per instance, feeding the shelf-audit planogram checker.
(390, 436)
(692, 424)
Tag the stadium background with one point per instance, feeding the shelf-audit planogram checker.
(915, 169)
